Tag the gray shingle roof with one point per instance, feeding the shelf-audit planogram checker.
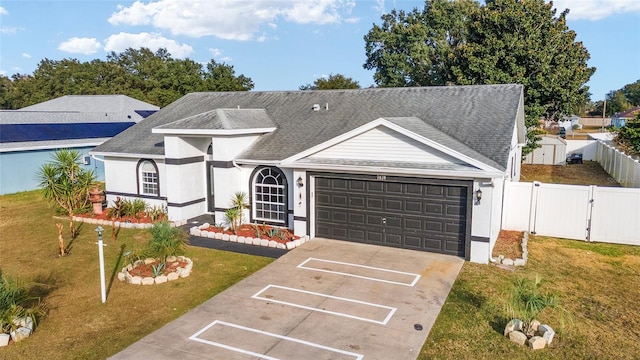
(92, 103)
(225, 119)
(61, 117)
(470, 119)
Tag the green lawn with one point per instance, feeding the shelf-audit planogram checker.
(78, 325)
(597, 283)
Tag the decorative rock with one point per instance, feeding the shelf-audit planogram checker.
(24, 322)
(204, 226)
(185, 273)
(537, 343)
(225, 237)
(507, 262)
(273, 244)
(233, 238)
(256, 241)
(147, 281)
(148, 261)
(20, 333)
(173, 276)
(264, 242)
(534, 325)
(196, 232)
(296, 242)
(204, 233)
(121, 275)
(128, 278)
(281, 246)
(192, 230)
(4, 339)
(171, 259)
(161, 279)
(513, 325)
(241, 239)
(218, 236)
(518, 337)
(211, 235)
(520, 262)
(494, 260)
(290, 245)
(129, 267)
(136, 280)
(546, 332)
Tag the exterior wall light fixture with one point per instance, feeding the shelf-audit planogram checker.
(478, 196)
(299, 182)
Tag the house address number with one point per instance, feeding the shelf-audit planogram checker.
(381, 177)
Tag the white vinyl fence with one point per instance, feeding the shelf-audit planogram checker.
(593, 213)
(622, 167)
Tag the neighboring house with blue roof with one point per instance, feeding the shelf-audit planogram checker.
(620, 119)
(29, 136)
(417, 168)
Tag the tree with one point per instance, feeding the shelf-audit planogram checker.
(629, 136)
(503, 41)
(337, 81)
(65, 184)
(154, 77)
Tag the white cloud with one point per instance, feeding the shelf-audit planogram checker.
(217, 54)
(10, 29)
(3, 11)
(26, 56)
(231, 20)
(3, 72)
(352, 20)
(596, 9)
(154, 41)
(77, 45)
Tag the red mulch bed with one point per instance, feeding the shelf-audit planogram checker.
(509, 244)
(248, 230)
(146, 270)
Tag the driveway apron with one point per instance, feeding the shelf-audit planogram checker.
(328, 299)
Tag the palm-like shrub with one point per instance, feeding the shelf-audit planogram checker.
(526, 302)
(17, 303)
(166, 241)
(66, 184)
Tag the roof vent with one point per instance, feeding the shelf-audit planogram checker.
(316, 107)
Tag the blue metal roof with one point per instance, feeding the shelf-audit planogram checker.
(145, 113)
(42, 132)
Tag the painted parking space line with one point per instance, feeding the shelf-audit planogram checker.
(328, 304)
(233, 337)
(360, 271)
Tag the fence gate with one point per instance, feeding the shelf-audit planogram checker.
(604, 214)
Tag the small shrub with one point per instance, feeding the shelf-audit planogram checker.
(233, 216)
(166, 241)
(157, 269)
(136, 208)
(16, 302)
(526, 302)
(157, 213)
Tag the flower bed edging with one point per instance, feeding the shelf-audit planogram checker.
(197, 231)
(123, 224)
(515, 262)
(181, 272)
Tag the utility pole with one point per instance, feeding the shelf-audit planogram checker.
(604, 111)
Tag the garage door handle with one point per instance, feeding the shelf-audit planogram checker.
(384, 220)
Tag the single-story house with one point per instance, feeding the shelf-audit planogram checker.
(620, 119)
(417, 168)
(29, 136)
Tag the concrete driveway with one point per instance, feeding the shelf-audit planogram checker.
(325, 300)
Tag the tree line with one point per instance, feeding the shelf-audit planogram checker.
(153, 77)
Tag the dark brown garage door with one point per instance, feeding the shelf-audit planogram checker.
(427, 217)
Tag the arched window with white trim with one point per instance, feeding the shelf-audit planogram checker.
(269, 196)
(148, 181)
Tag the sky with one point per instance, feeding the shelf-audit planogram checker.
(279, 44)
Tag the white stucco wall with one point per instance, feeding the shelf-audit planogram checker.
(121, 178)
(486, 218)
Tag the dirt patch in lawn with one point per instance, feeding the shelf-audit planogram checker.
(509, 244)
(587, 173)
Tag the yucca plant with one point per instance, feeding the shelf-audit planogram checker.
(526, 302)
(66, 184)
(166, 241)
(16, 303)
(233, 216)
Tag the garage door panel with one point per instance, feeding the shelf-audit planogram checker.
(426, 217)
